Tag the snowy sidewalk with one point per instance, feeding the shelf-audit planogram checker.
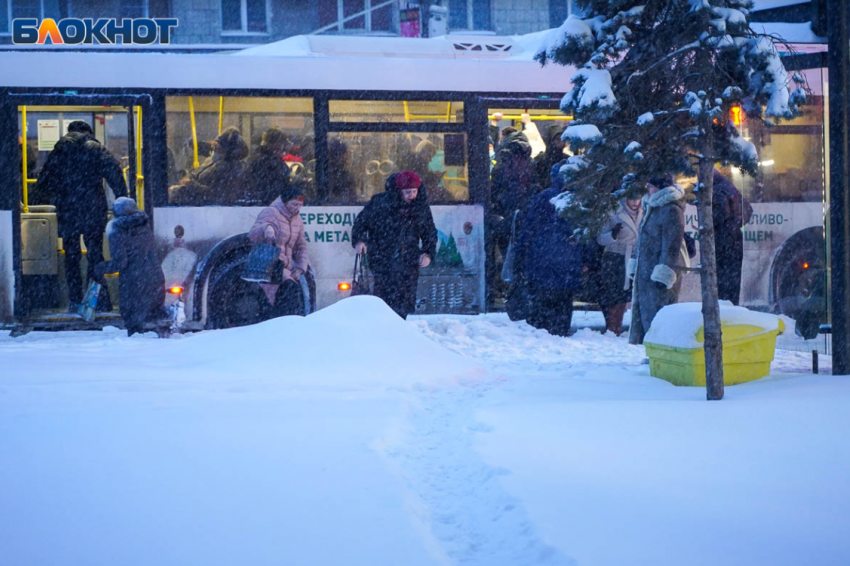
(614, 467)
(352, 437)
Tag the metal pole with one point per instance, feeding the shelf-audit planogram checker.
(24, 160)
(839, 176)
(131, 153)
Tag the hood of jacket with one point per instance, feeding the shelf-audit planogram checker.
(667, 195)
(515, 143)
(127, 223)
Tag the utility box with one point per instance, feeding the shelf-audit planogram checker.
(675, 344)
(40, 241)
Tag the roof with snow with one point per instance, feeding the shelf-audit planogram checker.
(771, 4)
(474, 63)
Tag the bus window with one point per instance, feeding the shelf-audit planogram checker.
(404, 111)
(791, 159)
(360, 162)
(205, 172)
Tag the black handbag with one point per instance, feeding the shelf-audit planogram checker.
(263, 264)
(360, 283)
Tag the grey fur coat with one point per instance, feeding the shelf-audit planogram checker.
(659, 263)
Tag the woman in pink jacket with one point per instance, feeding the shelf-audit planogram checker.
(281, 225)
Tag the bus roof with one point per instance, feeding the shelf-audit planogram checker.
(488, 64)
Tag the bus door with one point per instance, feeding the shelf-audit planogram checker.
(49, 288)
(543, 124)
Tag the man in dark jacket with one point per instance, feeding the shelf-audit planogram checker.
(396, 230)
(72, 178)
(268, 174)
(221, 179)
(554, 153)
(141, 283)
(731, 211)
(551, 259)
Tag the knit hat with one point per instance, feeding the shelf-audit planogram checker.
(124, 206)
(80, 127)
(231, 145)
(275, 138)
(292, 190)
(662, 181)
(407, 180)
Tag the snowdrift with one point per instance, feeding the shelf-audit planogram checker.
(358, 343)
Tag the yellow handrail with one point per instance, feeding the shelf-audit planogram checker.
(406, 112)
(24, 160)
(449, 113)
(533, 117)
(140, 184)
(220, 113)
(195, 162)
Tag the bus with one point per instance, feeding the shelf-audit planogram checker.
(353, 110)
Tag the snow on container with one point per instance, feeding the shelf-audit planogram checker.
(674, 343)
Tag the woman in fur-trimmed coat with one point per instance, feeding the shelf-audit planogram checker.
(659, 262)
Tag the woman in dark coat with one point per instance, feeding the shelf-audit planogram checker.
(551, 259)
(730, 212)
(661, 255)
(397, 231)
(141, 284)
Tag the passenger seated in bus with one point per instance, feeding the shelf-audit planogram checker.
(281, 225)
(420, 161)
(342, 186)
(267, 173)
(72, 178)
(220, 181)
(141, 283)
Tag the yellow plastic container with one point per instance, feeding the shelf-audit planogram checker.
(747, 353)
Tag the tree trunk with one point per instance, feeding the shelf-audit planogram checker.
(708, 274)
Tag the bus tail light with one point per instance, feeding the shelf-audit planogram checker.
(805, 266)
(344, 286)
(176, 290)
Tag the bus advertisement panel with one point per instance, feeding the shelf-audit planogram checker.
(213, 245)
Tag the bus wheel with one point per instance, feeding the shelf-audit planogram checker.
(232, 301)
(799, 265)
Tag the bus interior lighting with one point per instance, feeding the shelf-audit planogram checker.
(767, 163)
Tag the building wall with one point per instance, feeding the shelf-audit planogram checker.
(514, 17)
(200, 20)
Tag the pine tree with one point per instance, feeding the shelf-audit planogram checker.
(448, 255)
(655, 85)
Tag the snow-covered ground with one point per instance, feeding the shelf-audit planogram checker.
(352, 437)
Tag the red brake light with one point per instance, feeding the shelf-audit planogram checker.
(344, 286)
(176, 290)
(805, 266)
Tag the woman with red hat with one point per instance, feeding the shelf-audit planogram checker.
(396, 230)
